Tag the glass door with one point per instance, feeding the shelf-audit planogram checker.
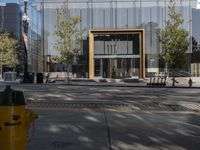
(97, 68)
(106, 67)
(135, 67)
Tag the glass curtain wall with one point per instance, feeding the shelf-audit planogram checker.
(35, 52)
(117, 56)
(195, 56)
(34, 49)
(119, 14)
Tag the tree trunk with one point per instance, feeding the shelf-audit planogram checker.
(166, 67)
(1, 71)
(68, 79)
(173, 81)
(1, 66)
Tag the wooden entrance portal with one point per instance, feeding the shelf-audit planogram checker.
(95, 32)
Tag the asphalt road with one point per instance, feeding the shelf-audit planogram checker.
(113, 118)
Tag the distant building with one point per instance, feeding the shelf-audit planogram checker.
(11, 22)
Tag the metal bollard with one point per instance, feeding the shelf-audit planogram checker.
(190, 82)
(15, 120)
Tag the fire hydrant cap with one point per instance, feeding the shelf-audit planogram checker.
(10, 97)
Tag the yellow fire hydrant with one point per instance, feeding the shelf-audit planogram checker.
(15, 120)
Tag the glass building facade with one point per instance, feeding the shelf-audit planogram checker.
(120, 51)
(35, 42)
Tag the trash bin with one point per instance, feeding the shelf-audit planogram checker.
(15, 119)
(39, 77)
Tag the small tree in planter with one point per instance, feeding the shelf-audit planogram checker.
(174, 40)
(68, 39)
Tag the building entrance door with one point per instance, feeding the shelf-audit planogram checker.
(119, 68)
(124, 67)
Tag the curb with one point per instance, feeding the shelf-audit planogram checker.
(99, 85)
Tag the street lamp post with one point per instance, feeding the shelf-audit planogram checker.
(25, 17)
(25, 20)
(2, 5)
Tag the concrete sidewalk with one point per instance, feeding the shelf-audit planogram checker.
(112, 117)
(93, 130)
(82, 126)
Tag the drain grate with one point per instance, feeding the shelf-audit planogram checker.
(100, 105)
